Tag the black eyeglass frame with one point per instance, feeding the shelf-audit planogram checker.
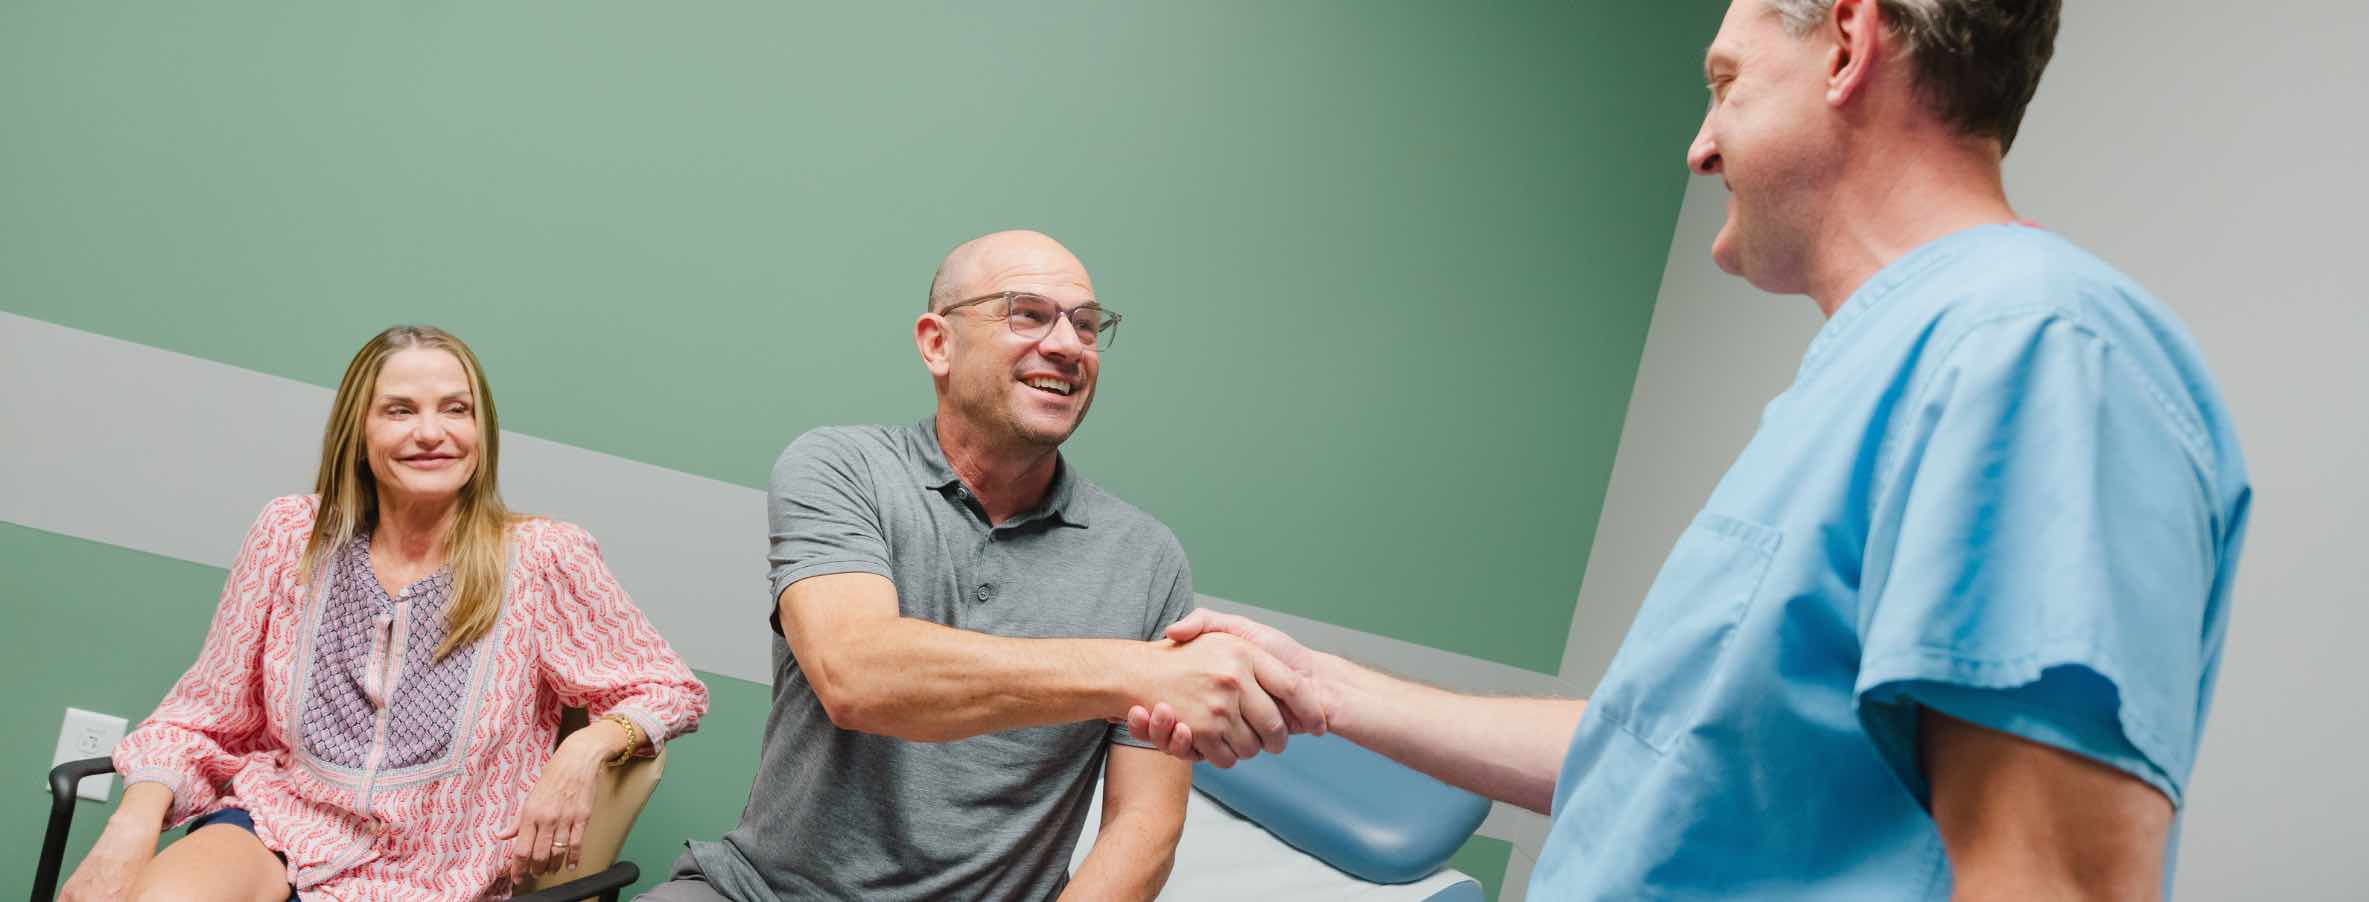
(1106, 333)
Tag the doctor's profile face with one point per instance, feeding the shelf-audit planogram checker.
(1772, 140)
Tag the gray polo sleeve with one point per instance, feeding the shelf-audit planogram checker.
(824, 512)
(1180, 589)
(1176, 573)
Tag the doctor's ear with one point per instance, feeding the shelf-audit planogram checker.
(1856, 30)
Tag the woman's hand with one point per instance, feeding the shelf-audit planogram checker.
(123, 849)
(549, 834)
(113, 866)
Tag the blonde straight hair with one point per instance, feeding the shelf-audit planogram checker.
(476, 548)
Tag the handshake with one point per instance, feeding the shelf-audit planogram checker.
(1227, 687)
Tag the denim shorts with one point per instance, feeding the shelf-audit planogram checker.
(236, 817)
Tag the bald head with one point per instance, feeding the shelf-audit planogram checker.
(1015, 259)
(1020, 383)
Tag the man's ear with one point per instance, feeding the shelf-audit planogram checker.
(933, 337)
(1856, 30)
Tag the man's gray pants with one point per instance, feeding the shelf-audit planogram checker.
(687, 886)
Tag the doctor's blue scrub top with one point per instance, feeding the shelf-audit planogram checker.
(2002, 486)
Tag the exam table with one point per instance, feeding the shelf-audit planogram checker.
(1325, 820)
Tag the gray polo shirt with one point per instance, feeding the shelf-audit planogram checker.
(843, 815)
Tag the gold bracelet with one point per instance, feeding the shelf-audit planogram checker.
(633, 739)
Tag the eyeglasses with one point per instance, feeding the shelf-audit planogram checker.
(1031, 316)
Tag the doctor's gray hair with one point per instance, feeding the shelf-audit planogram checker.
(1977, 62)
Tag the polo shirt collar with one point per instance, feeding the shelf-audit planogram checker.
(930, 469)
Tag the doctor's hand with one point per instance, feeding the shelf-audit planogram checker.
(1231, 699)
(1160, 724)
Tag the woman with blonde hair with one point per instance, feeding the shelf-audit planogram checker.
(373, 711)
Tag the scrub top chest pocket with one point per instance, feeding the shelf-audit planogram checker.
(1671, 660)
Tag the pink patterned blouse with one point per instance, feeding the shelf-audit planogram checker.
(377, 770)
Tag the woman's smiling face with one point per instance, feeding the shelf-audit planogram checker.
(422, 428)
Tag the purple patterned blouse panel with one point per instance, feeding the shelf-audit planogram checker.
(351, 679)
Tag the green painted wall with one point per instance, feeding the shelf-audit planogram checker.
(1387, 267)
(66, 594)
(1485, 860)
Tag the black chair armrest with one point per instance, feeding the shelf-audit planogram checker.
(62, 781)
(64, 777)
(605, 884)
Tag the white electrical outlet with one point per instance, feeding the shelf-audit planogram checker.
(89, 734)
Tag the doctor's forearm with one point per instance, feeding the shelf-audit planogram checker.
(1506, 748)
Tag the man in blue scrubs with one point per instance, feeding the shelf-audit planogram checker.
(1951, 622)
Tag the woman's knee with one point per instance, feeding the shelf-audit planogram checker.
(217, 863)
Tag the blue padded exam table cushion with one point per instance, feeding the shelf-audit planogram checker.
(1356, 810)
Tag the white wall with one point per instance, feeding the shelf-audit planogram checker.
(2216, 152)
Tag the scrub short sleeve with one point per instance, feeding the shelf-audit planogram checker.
(2041, 555)
(823, 515)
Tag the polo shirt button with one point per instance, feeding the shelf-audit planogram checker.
(985, 592)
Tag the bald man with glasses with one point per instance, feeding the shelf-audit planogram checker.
(959, 616)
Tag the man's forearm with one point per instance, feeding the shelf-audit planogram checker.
(1131, 858)
(1505, 748)
(923, 681)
